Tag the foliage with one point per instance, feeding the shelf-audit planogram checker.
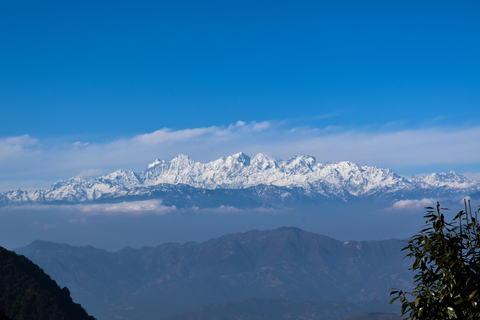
(446, 262)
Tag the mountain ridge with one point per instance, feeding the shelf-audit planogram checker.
(284, 263)
(238, 172)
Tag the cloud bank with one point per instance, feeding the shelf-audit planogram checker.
(411, 205)
(28, 162)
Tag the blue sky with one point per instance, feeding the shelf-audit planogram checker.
(88, 87)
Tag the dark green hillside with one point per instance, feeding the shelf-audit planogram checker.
(26, 292)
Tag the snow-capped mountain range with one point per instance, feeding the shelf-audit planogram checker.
(260, 179)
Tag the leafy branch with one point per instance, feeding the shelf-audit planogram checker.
(446, 262)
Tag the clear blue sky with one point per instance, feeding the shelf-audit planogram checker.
(99, 71)
(122, 68)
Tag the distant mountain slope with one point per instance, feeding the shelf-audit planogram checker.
(259, 309)
(26, 292)
(286, 263)
(374, 316)
(241, 180)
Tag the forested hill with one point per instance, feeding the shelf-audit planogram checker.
(26, 292)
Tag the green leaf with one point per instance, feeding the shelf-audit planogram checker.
(393, 300)
(445, 264)
(470, 297)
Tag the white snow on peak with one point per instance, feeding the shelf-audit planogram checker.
(264, 162)
(182, 158)
(238, 171)
(448, 180)
(240, 158)
(155, 163)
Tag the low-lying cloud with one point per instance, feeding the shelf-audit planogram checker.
(27, 162)
(412, 205)
(134, 207)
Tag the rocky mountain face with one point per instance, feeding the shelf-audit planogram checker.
(260, 180)
(26, 292)
(287, 264)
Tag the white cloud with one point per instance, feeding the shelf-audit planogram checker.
(43, 225)
(154, 206)
(135, 207)
(27, 162)
(13, 147)
(412, 205)
(164, 135)
(80, 144)
(261, 126)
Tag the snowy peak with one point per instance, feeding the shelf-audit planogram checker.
(340, 180)
(264, 162)
(232, 162)
(239, 171)
(155, 163)
(182, 161)
(239, 158)
(120, 177)
(300, 161)
(449, 180)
